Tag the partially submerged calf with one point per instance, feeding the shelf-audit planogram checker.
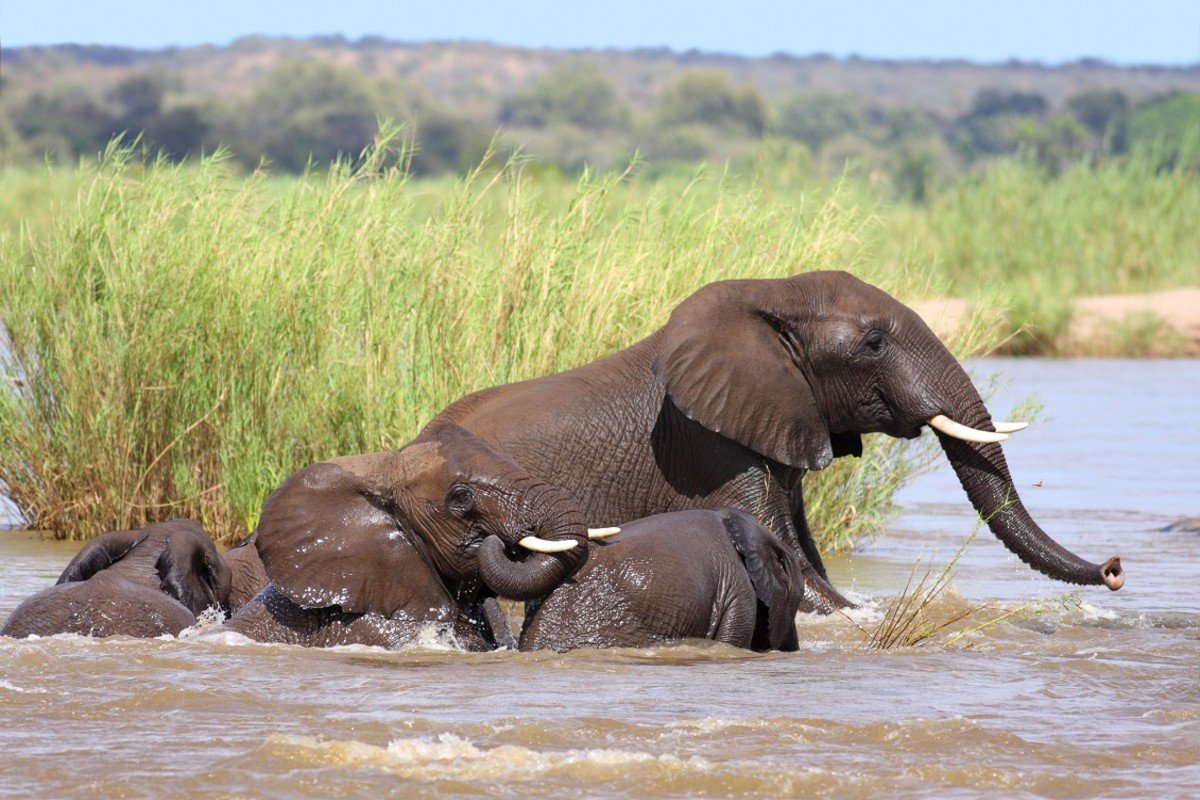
(690, 574)
(146, 582)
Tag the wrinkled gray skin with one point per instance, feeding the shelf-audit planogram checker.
(749, 385)
(687, 575)
(144, 583)
(371, 549)
(246, 571)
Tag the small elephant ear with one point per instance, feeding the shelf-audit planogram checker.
(777, 576)
(326, 538)
(189, 567)
(725, 364)
(101, 553)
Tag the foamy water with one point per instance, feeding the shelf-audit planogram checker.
(1069, 694)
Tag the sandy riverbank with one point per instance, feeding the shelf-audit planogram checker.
(1164, 323)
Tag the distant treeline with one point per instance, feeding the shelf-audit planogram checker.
(304, 111)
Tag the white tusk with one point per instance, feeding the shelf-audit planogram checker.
(1009, 427)
(959, 431)
(545, 545)
(602, 533)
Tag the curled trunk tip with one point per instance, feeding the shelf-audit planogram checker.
(1112, 574)
(534, 576)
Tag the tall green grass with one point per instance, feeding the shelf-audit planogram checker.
(181, 338)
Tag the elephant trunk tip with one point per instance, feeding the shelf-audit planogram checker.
(1112, 574)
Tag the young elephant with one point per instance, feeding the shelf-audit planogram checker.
(372, 549)
(690, 574)
(137, 583)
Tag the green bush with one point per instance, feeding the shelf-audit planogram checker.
(709, 98)
(573, 94)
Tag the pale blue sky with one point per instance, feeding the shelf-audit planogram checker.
(1052, 31)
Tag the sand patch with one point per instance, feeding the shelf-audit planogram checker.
(1167, 321)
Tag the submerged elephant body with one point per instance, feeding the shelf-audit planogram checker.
(106, 605)
(375, 549)
(143, 583)
(748, 386)
(272, 617)
(688, 575)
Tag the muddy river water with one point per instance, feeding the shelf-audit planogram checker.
(1092, 695)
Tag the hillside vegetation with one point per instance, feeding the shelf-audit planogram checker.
(916, 125)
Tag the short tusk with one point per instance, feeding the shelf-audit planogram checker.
(547, 546)
(959, 431)
(602, 533)
(1009, 427)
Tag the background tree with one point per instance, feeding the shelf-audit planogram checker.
(709, 98)
(63, 123)
(907, 124)
(998, 122)
(574, 93)
(1105, 113)
(816, 118)
(307, 110)
(1169, 126)
(138, 100)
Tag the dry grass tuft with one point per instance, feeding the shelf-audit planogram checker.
(915, 617)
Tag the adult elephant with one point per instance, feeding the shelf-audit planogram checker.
(749, 385)
(691, 574)
(374, 549)
(145, 582)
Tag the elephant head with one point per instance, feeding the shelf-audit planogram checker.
(177, 557)
(835, 358)
(417, 528)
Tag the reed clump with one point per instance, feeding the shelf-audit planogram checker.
(180, 338)
(924, 614)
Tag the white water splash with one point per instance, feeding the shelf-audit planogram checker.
(209, 619)
(451, 756)
(5, 686)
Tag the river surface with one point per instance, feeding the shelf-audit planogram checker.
(1094, 694)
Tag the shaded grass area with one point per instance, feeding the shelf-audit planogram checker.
(182, 338)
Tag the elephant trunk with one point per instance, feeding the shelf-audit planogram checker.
(983, 473)
(515, 573)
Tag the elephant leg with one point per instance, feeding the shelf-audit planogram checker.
(803, 534)
(736, 625)
(498, 622)
(784, 509)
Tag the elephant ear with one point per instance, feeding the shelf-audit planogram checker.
(189, 567)
(777, 576)
(726, 363)
(101, 553)
(327, 538)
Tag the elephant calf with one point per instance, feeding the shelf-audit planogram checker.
(143, 583)
(712, 574)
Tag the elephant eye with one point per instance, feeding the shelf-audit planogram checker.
(873, 343)
(460, 500)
